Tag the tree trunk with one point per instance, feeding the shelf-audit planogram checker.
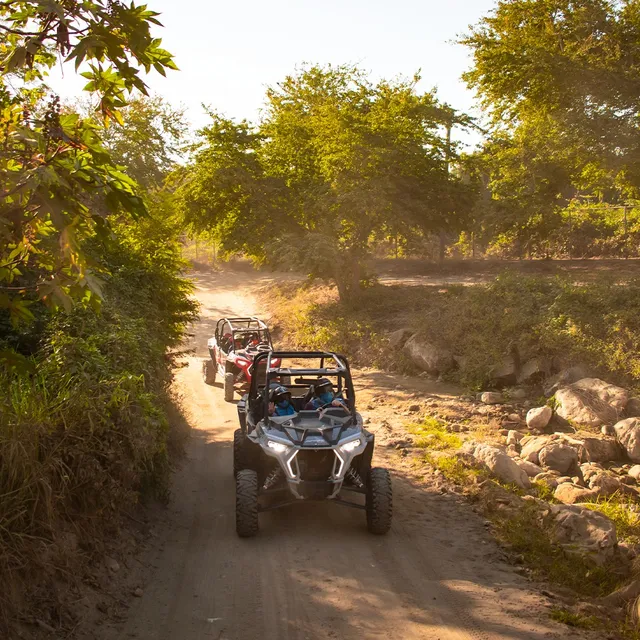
(443, 247)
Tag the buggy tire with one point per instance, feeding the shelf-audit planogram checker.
(209, 371)
(379, 501)
(229, 381)
(240, 454)
(246, 503)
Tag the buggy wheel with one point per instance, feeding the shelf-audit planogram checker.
(240, 453)
(246, 503)
(379, 501)
(229, 381)
(209, 371)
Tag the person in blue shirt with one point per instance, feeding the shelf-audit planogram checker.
(325, 395)
(280, 402)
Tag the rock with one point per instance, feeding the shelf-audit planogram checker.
(589, 469)
(591, 402)
(562, 379)
(538, 419)
(111, 564)
(599, 449)
(628, 435)
(629, 480)
(607, 430)
(428, 357)
(514, 437)
(414, 408)
(547, 477)
(514, 417)
(491, 397)
(632, 410)
(604, 483)
(578, 480)
(570, 493)
(532, 470)
(531, 447)
(512, 451)
(582, 531)
(505, 373)
(398, 338)
(559, 457)
(517, 394)
(563, 479)
(534, 370)
(634, 472)
(138, 593)
(501, 465)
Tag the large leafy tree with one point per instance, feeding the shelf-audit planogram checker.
(335, 163)
(560, 80)
(57, 182)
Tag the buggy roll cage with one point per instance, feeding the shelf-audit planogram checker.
(342, 371)
(243, 325)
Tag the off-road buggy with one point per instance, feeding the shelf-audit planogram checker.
(232, 350)
(318, 454)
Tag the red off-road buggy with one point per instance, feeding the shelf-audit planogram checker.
(232, 349)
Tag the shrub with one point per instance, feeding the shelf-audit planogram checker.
(84, 429)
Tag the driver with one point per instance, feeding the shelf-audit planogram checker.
(325, 395)
(280, 402)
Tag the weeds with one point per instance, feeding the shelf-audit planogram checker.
(574, 619)
(431, 434)
(624, 513)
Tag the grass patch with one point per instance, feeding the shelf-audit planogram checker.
(624, 513)
(432, 434)
(574, 619)
(454, 469)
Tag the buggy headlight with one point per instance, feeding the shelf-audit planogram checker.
(278, 447)
(348, 447)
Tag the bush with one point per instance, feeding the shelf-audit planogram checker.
(595, 324)
(84, 430)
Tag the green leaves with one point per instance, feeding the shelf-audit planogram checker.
(58, 185)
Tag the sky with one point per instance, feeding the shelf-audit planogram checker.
(230, 52)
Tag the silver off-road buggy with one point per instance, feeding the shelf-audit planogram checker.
(312, 454)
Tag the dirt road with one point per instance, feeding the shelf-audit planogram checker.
(314, 572)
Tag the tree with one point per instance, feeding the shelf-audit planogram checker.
(149, 141)
(57, 180)
(335, 163)
(560, 81)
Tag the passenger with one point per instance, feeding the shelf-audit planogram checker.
(280, 402)
(325, 395)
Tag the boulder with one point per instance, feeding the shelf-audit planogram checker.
(634, 472)
(514, 437)
(534, 370)
(632, 410)
(505, 373)
(607, 430)
(531, 447)
(532, 470)
(589, 470)
(628, 435)
(605, 483)
(570, 493)
(398, 338)
(582, 531)
(559, 456)
(518, 394)
(562, 379)
(591, 402)
(428, 357)
(491, 397)
(501, 465)
(600, 449)
(538, 418)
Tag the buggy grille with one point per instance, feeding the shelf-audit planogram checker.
(315, 465)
